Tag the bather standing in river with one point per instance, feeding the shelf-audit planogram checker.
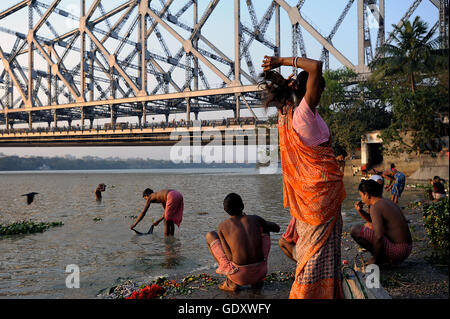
(98, 191)
(172, 202)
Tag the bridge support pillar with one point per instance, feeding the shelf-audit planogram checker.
(188, 110)
(113, 115)
(144, 113)
(30, 123)
(361, 67)
(82, 117)
(237, 112)
(55, 118)
(167, 117)
(140, 121)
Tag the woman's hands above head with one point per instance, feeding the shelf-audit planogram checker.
(271, 62)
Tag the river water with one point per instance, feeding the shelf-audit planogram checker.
(96, 235)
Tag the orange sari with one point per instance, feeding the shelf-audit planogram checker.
(313, 189)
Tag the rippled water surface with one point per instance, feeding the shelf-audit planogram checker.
(33, 266)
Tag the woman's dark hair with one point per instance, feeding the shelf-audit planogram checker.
(439, 179)
(371, 187)
(277, 91)
(147, 192)
(233, 204)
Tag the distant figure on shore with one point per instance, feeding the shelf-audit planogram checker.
(355, 170)
(98, 191)
(241, 246)
(438, 191)
(397, 181)
(378, 178)
(173, 204)
(30, 197)
(364, 170)
(386, 234)
(341, 161)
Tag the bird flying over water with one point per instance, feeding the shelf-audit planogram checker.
(30, 197)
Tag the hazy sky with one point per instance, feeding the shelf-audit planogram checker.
(220, 30)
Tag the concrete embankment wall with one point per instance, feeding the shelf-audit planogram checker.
(414, 167)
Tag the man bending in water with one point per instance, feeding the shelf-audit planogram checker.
(386, 234)
(241, 246)
(172, 202)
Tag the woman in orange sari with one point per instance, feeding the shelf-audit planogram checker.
(313, 188)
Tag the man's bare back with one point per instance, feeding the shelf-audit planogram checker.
(241, 246)
(159, 197)
(386, 234)
(394, 224)
(241, 236)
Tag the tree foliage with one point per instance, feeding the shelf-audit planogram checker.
(350, 109)
(412, 54)
(436, 217)
(412, 77)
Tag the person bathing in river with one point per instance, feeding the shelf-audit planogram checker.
(98, 191)
(386, 234)
(171, 201)
(241, 246)
(313, 187)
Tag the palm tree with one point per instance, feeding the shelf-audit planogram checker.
(411, 54)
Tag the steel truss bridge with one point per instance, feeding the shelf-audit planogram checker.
(144, 58)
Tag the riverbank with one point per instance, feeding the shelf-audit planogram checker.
(418, 277)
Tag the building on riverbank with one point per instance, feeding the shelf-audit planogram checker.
(421, 166)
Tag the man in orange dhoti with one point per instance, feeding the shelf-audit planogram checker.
(313, 188)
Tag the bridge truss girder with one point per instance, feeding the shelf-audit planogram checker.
(119, 71)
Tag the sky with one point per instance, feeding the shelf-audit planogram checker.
(219, 29)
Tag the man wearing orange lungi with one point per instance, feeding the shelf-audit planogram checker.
(313, 188)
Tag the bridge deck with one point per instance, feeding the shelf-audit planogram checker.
(144, 136)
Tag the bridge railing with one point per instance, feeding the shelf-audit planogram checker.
(132, 126)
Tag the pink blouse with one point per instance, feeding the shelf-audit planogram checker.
(311, 128)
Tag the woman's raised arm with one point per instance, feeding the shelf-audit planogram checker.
(314, 85)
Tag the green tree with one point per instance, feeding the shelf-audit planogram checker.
(351, 108)
(411, 54)
(412, 78)
(417, 114)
